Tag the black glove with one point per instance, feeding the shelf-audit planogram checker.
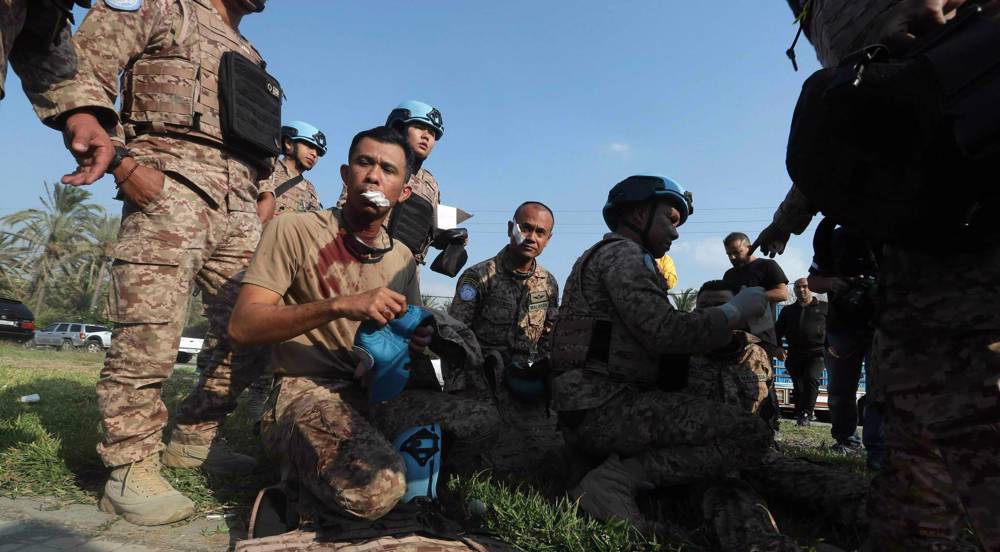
(771, 241)
(454, 256)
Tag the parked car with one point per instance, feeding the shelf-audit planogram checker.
(73, 335)
(17, 322)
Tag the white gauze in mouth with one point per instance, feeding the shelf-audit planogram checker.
(376, 197)
(516, 232)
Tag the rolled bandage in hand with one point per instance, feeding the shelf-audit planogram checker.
(376, 197)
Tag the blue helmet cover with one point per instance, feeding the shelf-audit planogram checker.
(301, 131)
(641, 188)
(415, 111)
(420, 448)
(386, 352)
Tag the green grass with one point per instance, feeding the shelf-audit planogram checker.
(521, 516)
(48, 449)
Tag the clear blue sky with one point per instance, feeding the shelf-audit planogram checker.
(548, 101)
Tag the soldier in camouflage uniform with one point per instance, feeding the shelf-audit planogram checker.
(938, 333)
(423, 127)
(510, 302)
(612, 346)
(35, 39)
(315, 277)
(302, 145)
(739, 374)
(188, 218)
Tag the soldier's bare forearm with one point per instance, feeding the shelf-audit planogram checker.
(265, 324)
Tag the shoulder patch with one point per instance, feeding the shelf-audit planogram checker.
(124, 5)
(467, 292)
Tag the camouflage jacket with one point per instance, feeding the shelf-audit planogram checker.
(509, 312)
(738, 374)
(299, 198)
(424, 185)
(616, 323)
(111, 43)
(38, 69)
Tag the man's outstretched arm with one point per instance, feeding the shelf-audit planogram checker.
(260, 318)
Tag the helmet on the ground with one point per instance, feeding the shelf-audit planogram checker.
(412, 111)
(254, 6)
(639, 189)
(298, 131)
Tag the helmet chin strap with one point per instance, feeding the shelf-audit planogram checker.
(644, 233)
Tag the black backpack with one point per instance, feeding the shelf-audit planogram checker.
(892, 147)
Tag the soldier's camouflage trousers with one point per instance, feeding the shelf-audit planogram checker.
(942, 433)
(737, 512)
(162, 251)
(313, 542)
(678, 438)
(340, 449)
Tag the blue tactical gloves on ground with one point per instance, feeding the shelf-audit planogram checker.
(385, 352)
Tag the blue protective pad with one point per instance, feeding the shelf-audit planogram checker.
(420, 448)
(386, 352)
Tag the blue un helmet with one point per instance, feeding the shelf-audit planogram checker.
(639, 189)
(412, 111)
(298, 131)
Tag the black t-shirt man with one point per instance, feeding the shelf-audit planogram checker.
(764, 273)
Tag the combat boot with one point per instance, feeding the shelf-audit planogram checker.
(142, 496)
(608, 492)
(216, 459)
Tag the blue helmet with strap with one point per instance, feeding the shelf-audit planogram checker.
(420, 448)
(640, 189)
(385, 352)
(412, 111)
(300, 131)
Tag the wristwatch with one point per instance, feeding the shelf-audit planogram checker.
(120, 154)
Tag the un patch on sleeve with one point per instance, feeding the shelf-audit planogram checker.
(124, 5)
(467, 292)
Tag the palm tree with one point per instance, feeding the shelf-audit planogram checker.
(51, 237)
(685, 300)
(101, 234)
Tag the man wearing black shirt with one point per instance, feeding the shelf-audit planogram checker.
(749, 271)
(803, 323)
(845, 267)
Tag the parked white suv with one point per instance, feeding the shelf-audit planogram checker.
(73, 335)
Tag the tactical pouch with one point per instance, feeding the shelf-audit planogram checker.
(876, 138)
(574, 340)
(528, 382)
(44, 24)
(413, 223)
(250, 107)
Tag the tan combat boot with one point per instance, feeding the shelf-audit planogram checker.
(138, 492)
(608, 492)
(216, 459)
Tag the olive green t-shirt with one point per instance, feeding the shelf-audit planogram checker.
(305, 257)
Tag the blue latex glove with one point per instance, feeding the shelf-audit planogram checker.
(385, 352)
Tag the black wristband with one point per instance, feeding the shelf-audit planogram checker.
(120, 154)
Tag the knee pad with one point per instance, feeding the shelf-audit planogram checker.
(420, 447)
